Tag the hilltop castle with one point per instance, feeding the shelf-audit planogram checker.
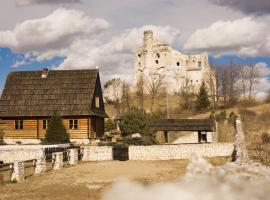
(178, 70)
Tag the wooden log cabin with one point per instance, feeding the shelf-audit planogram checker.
(30, 98)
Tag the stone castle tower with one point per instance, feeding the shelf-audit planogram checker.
(154, 58)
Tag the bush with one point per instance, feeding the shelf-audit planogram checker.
(56, 132)
(265, 138)
(110, 125)
(139, 141)
(135, 121)
(220, 116)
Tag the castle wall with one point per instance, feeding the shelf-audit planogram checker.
(156, 58)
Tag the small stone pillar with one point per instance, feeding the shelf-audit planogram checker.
(86, 154)
(73, 156)
(18, 171)
(40, 165)
(241, 155)
(58, 160)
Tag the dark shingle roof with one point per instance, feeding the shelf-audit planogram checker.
(67, 92)
(183, 125)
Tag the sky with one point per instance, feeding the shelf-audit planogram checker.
(83, 34)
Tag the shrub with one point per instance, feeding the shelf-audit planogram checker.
(265, 138)
(258, 150)
(110, 125)
(139, 141)
(56, 132)
(135, 121)
(202, 102)
(220, 116)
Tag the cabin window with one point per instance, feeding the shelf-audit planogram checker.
(97, 102)
(45, 124)
(156, 61)
(158, 55)
(139, 55)
(18, 124)
(200, 64)
(178, 63)
(73, 124)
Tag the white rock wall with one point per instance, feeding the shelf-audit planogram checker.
(97, 153)
(12, 153)
(183, 151)
(9, 156)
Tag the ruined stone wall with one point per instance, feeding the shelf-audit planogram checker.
(154, 57)
(183, 151)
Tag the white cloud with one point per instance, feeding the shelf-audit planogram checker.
(54, 31)
(20, 63)
(116, 55)
(246, 36)
(84, 42)
(31, 2)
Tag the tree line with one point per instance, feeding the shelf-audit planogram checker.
(225, 85)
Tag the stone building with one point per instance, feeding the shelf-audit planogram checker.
(154, 58)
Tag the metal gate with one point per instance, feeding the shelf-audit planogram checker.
(120, 153)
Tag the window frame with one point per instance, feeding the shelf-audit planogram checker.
(18, 125)
(97, 102)
(73, 124)
(46, 124)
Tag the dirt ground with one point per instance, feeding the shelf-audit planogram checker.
(88, 180)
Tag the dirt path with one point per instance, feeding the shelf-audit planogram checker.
(88, 180)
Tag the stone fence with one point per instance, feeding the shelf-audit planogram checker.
(97, 153)
(17, 168)
(183, 151)
(12, 153)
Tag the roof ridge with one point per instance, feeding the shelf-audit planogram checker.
(55, 70)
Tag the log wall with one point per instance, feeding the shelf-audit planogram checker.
(33, 129)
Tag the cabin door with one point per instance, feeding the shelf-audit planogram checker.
(98, 126)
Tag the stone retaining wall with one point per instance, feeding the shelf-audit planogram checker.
(97, 153)
(183, 151)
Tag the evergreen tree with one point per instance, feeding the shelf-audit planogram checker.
(56, 132)
(202, 102)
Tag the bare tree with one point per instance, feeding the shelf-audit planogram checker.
(186, 95)
(113, 92)
(233, 76)
(211, 87)
(252, 76)
(126, 96)
(140, 91)
(243, 73)
(154, 84)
